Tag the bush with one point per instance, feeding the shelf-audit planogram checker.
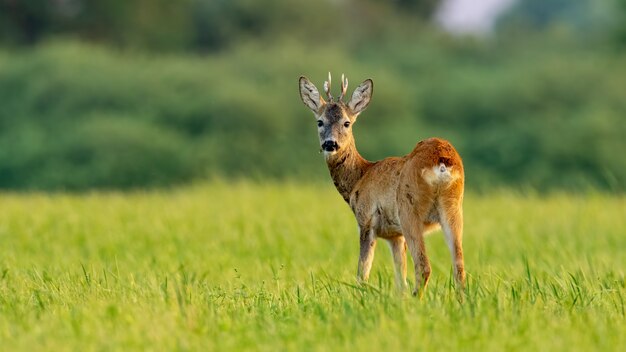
(77, 117)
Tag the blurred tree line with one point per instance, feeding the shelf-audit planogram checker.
(200, 25)
(123, 94)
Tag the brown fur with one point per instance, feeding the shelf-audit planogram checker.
(399, 199)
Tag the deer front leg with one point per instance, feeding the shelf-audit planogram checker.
(366, 256)
(398, 251)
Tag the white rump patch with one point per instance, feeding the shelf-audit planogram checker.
(438, 174)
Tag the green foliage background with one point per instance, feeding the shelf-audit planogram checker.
(176, 92)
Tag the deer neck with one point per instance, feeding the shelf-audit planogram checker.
(346, 168)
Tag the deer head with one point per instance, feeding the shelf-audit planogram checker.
(335, 118)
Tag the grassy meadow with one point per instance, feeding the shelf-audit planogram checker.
(243, 266)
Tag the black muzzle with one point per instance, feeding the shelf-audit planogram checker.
(330, 146)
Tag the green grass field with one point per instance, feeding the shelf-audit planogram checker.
(240, 266)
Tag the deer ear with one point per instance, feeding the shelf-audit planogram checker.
(361, 97)
(310, 95)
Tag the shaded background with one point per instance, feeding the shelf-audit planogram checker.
(150, 93)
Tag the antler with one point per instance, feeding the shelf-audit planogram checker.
(327, 89)
(344, 86)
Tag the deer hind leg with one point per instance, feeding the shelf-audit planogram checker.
(366, 256)
(413, 230)
(451, 219)
(398, 251)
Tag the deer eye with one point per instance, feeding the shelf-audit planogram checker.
(346, 124)
(320, 123)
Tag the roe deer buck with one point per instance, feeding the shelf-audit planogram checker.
(399, 199)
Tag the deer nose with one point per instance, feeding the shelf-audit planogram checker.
(330, 146)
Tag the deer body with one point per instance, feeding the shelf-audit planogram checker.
(398, 199)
